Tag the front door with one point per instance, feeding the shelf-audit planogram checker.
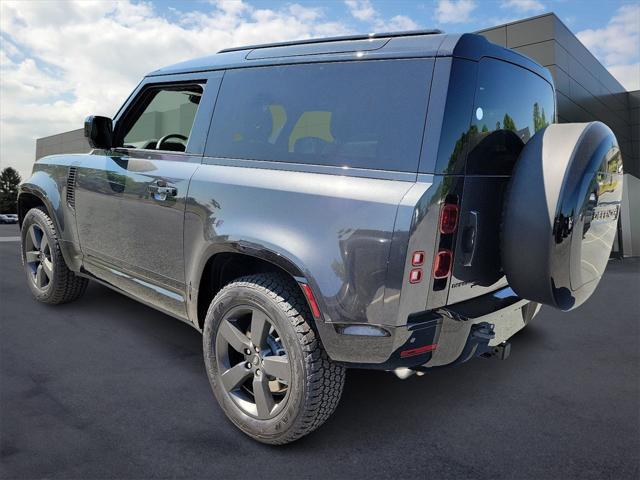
(130, 201)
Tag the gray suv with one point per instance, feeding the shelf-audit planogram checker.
(399, 201)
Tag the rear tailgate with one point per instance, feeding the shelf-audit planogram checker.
(511, 103)
(477, 267)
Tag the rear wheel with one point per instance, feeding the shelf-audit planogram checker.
(267, 368)
(48, 276)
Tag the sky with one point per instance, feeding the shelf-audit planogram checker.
(63, 60)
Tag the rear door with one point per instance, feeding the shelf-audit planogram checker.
(130, 201)
(511, 103)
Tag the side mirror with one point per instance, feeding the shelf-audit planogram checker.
(99, 132)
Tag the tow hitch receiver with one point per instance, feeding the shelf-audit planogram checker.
(500, 351)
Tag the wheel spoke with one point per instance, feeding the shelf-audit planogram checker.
(32, 256)
(277, 366)
(47, 266)
(260, 327)
(44, 243)
(40, 277)
(235, 376)
(34, 238)
(238, 340)
(263, 396)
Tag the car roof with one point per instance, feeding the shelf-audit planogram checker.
(412, 44)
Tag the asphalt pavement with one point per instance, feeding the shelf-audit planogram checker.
(108, 388)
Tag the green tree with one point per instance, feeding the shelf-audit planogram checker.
(9, 181)
(539, 118)
(508, 123)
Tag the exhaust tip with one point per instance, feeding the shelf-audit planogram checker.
(403, 372)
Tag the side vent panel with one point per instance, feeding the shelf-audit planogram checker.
(71, 187)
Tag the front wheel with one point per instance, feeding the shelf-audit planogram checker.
(267, 368)
(48, 276)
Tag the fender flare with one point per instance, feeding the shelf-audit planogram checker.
(250, 247)
(43, 187)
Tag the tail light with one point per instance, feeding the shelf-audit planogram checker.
(415, 275)
(417, 258)
(449, 218)
(443, 260)
(442, 264)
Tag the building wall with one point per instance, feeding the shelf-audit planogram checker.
(634, 120)
(586, 91)
(68, 142)
(630, 216)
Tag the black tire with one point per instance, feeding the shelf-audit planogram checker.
(315, 383)
(560, 213)
(62, 285)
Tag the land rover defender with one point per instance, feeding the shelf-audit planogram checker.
(398, 201)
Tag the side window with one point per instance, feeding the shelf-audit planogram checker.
(356, 114)
(163, 119)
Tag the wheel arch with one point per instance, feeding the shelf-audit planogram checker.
(222, 266)
(42, 190)
(30, 196)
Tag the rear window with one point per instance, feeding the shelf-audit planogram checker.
(512, 98)
(511, 105)
(367, 114)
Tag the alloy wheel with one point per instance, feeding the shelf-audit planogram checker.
(37, 255)
(253, 366)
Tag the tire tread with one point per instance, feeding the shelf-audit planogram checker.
(325, 379)
(67, 286)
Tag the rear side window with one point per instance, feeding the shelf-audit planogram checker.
(356, 114)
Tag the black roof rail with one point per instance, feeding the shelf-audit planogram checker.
(409, 33)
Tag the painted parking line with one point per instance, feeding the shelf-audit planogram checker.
(9, 239)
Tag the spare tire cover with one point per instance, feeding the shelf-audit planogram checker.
(560, 213)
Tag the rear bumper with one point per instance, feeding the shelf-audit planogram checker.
(436, 338)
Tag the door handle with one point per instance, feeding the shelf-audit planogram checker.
(160, 190)
(470, 239)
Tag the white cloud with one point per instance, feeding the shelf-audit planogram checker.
(619, 40)
(400, 23)
(454, 11)
(523, 5)
(60, 61)
(627, 75)
(618, 44)
(363, 11)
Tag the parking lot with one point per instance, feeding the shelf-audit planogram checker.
(108, 388)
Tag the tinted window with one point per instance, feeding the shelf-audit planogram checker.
(454, 134)
(358, 114)
(164, 112)
(511, 98)
(511, 105)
